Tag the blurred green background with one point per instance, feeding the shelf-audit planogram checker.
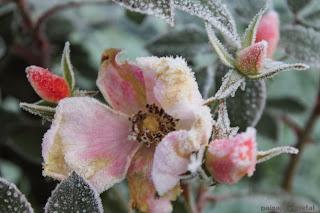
(91, 28)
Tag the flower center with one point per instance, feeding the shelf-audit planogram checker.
(150, 126)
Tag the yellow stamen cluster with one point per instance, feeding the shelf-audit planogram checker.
(150, 126)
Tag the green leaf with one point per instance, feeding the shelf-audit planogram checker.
(286, 104)
(268, 154)
(230, 84)
(66, 65)
(159, 8)
(268, 126)
(301, 44)
(272, 68)
(73, 195)
(137, 18)
(221, 51)
(310, 15)
(297, 5)
(249, 36)
(46, 112)
(246, 107)
(186, 42)
(12, 200)
(214, 12)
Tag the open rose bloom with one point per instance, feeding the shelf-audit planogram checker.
(154, 122)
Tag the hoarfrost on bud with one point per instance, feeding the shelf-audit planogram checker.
(250, 60)
(229, 159)
(48, 86)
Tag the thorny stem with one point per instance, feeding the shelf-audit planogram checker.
(303, 139)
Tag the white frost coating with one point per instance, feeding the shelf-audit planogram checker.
(266, 155)
(159, 8)
(214, 12)
(42, 111)
(10, 196)
(223, 54)
(271, 68)
(221, 128)
(74, 194)
(230, 83)
(263, 94)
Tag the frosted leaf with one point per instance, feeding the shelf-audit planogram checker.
(246, 108)
(68, 73)
(46, 112)
(159, 8)
(272, 68)
(186, 42)
(74, 195)
(214, 12)
(266, 155)
(249, 36)
(230, 83)
(297, 5)
(301, 44)
(221, 127)
(310, 15)
(12, 200)
(221, 51)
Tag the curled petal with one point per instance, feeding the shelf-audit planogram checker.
(142, 191)
(228, 160)
(268, 30)
(175, 86)
(122, 85)
(169, 163)
(249, 61)
(47, 85)
(91, 139)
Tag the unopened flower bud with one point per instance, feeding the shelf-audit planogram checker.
(48, 86)
(249, 61)
(228, 160)
(268, 30)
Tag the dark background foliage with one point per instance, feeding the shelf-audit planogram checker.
(33, 32)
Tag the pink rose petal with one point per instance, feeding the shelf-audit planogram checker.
(142, 191)
(122, 85)
(93, 140)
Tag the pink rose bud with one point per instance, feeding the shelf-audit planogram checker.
(268, 30)
(228, 160)
(250, 60)
(47, 85)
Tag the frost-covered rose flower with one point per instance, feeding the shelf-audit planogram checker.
(229, 159)
(48, 86)
(156, 119)
(268, 30)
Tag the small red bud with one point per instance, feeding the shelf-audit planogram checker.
(268, 30)
(47, 85)
(250, 60)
